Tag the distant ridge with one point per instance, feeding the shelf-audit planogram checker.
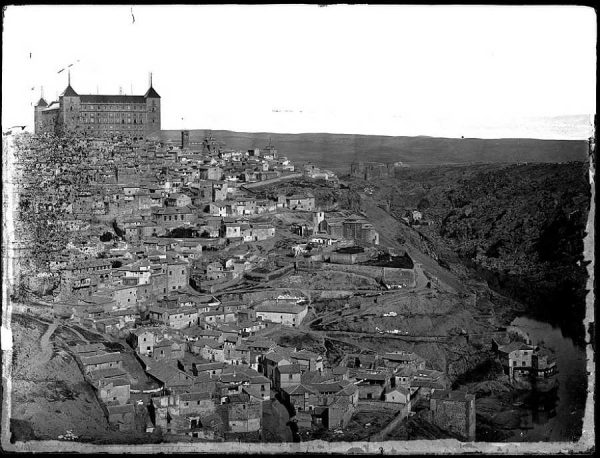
(337, 151)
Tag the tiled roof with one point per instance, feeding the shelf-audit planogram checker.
(299, 389)
(112, 372)
(304, 355)
(327, 387)
(289, 369)
(99, 359)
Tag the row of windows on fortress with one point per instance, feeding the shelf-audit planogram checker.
(118, 107)
(112, 120)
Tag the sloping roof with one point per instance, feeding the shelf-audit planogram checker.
(368, 376)
(69, 92)
(327, 387)
(402, 356)
(97, 98)
(100, 359)
(165, 373)
(276, 357)
(41, 103)
(53, 106)
(259, 379)
(109, 373)
(304, 355)
(298, 389)
(348, 390)
(289, 369)
(151, 93)
(514, 346)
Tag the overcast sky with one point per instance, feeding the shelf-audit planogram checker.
(488, 71)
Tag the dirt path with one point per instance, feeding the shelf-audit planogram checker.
(46, 346)
(388, 228)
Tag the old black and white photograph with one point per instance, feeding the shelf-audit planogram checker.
(280, 229)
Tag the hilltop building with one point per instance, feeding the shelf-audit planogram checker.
(98, 114)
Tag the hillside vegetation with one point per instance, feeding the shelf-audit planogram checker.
(520, 227)
(337, 151)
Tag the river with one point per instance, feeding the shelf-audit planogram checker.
(557, 416)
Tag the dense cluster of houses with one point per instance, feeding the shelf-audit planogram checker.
(213, 371)
(182, 216)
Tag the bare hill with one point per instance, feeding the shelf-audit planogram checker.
(336, 151)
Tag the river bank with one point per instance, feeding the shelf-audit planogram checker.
(510, 413)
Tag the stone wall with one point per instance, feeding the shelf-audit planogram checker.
(373, 271)
(454, 416)
(402, 414)
(272, 180)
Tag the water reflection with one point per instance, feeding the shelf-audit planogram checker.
(556, 415)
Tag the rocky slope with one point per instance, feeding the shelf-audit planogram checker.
(519, 227)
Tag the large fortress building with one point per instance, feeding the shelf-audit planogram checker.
(132, 115)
